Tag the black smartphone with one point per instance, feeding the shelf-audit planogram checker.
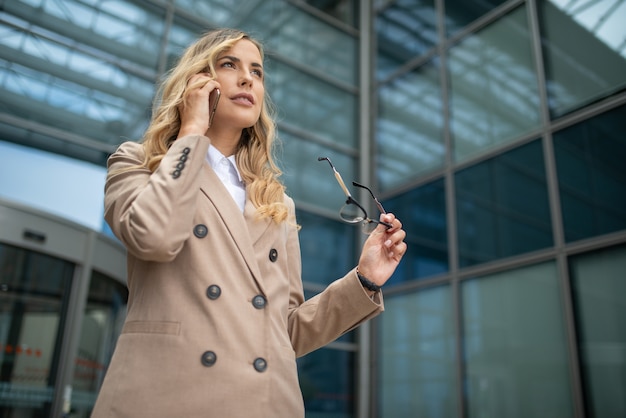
(214, 98)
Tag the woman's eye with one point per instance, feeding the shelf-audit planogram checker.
(228, 64)
(258, 73)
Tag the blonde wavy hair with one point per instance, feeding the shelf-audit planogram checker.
(255, 151)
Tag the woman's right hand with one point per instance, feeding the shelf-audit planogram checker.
(194, 111)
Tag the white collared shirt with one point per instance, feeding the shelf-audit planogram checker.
(226, 170)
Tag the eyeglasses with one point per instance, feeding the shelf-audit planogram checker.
(352, 212)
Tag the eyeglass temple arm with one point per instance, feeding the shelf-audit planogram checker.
(380, 206)
(337, 176)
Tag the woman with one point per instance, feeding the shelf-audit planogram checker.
(216, 313)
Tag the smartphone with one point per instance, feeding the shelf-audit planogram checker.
(214, 98)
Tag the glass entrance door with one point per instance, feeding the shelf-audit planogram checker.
(34, 292)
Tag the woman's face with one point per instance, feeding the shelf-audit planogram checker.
(239, 71)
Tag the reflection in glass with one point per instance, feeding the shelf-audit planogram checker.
(599, 286)
(502, 206)
(52, 85)
(590, 166)
(417, 356)
(460, 13)
(33, 300)
(493, 87)
(328, 240)
(119, 29)
(311, 42)
(102, 324)
(305, 178)
(515, 345)
(327, 383)
(409, 130)
(182, 34)
(312, 104)
(584, 51)
(422, 211)
(405, 29)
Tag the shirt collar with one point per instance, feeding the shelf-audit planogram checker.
(214, 156)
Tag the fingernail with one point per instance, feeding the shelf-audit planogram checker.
(388, 243)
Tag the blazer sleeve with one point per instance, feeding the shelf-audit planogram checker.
(151, 213)
(340, 308)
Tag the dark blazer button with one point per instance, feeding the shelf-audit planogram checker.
(200, 231)
(186, 150)
(180, 165)
(176, 174)
(208, 358)
(259, 302)
(273, 254)
(183, 158)
(213, 292)
(260, 365)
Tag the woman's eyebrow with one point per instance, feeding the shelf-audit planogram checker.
(235, 59)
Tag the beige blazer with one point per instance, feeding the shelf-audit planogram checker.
(216, 313)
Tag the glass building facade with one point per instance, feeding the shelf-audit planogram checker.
(494, 129)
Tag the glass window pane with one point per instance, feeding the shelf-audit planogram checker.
(584, 51)
(102, 324)
(53, 84)
(590, 166)
(216, 13)
(312, 105)
(119, 28)
(327, 248)
(502, 206)
(404, 29)
(599, 286)
(299, 36)
(33, 300)
(327, 383)
(493, 86)
(346, 11)
(182, 34)
(422, 211)
(417, 356)
(515, 345)
(312, 181)
(409, 130)
(460, 13)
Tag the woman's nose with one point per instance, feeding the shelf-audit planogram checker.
(246, 78)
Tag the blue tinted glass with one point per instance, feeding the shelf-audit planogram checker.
(502, 206)
(312, 105)
(312, 181)
(326, 247)
(584, 51)
(404, 29)
(327, 383)
(599, 286)
(590, 162)
(460, 13)
(121, 29)
(493, 86)
(299, 36)
(515, 345)
(423, 215)
(409, 129)
(418, 356)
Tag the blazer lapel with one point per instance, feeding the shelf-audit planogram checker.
(256, 226)
(238, 227)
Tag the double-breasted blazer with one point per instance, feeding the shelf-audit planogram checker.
(216, 313)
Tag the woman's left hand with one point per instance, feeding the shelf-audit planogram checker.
(383, 250)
